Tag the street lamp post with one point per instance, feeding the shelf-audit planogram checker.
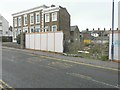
(112, 46)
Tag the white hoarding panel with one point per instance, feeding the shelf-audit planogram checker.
(115, 53)
(32, 41)
(116, 46)
(44, 41)
(59, 42)
(51, 39)
(110, 43)
(27, 39)
(116, 43)
(37, 41)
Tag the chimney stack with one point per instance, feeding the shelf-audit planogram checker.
(117, 29)
(104, 29)
(87, 29)
(98, 29)
(52, 5)
(110, 29)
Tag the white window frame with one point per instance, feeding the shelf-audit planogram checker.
(15, 22)
(25, 22)
(54, 16)
(19, 31)
(33, 29)
(19, 21)
(15, 33)
(52, 28)
(36, 29)
(25, 29)
(37, 14)
(32, 19)
(47, 29)
(47, 17)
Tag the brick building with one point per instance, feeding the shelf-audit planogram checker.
(43, 19)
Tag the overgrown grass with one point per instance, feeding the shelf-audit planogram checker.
(96, 51)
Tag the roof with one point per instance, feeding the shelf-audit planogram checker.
(73, 28)
(42, 6)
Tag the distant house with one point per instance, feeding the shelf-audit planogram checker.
(74, 34)
(95, 36)
(75, 38)
(4, 27)
(86, 35)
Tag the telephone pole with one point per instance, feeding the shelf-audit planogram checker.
(112, 46)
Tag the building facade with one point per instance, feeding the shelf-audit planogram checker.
(42, 19)
(4, 27)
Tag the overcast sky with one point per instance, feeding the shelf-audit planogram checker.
(84, 13)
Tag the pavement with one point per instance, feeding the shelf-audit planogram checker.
(11, 44)
(35, 69)
(99, 63)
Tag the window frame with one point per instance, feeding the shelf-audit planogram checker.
(52, 28)
(54, 16)
(31, 29)
(47, 17)
(25, 20)
(32, 19)
(25, 29)
(36, 30)
(19, 21)
(37, 19)
(45, 30)
(15, 22)
(19, 31)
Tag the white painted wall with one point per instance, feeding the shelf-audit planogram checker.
(4, 27)
(49, 41)
(116, 45)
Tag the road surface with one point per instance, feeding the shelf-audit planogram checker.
(25, 70)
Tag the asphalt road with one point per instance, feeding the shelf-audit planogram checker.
(24, 70)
